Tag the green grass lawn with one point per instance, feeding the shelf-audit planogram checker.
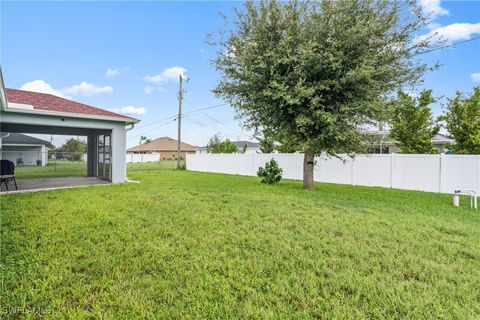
(195, 245)
(64, 168)
(54, 168)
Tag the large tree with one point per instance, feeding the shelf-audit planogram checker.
(462, 120)
(412, 124)
(313, 71)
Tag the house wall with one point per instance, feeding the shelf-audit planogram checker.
(37, 123)
(172, 154)
(28, 154)
(395, 149)
(165, 154)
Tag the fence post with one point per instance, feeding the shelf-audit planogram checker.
(442, 159)
(392, 168)
(352, 170)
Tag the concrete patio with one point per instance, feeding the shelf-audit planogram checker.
(32, 185)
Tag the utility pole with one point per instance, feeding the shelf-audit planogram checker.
(179, 119)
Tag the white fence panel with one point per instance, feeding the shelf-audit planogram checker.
(460, 172)
(142, 157)
(372, 170)
(333, 170)
(434, 173)
(417, 172)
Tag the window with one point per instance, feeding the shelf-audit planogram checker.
(380, 150)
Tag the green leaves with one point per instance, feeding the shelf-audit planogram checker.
(462, 120)
(216, 145)
(313, 72)
(271, 174)
(412, 123)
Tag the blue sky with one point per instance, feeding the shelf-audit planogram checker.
(126, 56)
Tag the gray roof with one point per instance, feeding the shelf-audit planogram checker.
(240, 145)
(249, 144)
(19, 138)
(438, 138)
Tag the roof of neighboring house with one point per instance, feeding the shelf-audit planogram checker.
(240, 144)
(163, 143)
(49, 102)
(438, 138)
(19, 138)
(442, 138)
(249, 144)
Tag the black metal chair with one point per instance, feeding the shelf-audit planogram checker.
(7, 173)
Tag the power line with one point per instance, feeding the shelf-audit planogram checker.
(171, 119)
(174, 117)
(217, 121)
(206, 108)
(145, 132)
(156, 122)
(448, 46)
(199, 123)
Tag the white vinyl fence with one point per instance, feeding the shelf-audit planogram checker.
(141, 157)
(434, 173)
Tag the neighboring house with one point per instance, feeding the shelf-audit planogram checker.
(22, 149)
(386, 145)
(40, 113)
(166, 146)
(251, 147)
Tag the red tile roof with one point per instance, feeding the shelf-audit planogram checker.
(49, 102)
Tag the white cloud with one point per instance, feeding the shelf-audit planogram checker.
(152, 89)
(84, 88)
(148, 89)
(452, 32)
(130, 110)
(87, 89)
(167, 75)
(433, 25)
(42, 87)
(111, 73)
(475, 77)
(433, 8)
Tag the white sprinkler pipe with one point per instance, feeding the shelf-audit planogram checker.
(470, 192)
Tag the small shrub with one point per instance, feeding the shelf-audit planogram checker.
(39, 163)
(271, 174)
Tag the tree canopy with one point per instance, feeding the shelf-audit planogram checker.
(412, 123)
(144, 140)
(73, 149)
(216, 145)
(312, 72)
(462, 120)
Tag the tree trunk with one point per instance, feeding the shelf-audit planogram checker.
(308, 165)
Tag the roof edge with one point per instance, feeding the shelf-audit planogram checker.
(124, 119)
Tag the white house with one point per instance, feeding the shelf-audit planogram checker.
(385, 144)
(40, 113)
(23, 149)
